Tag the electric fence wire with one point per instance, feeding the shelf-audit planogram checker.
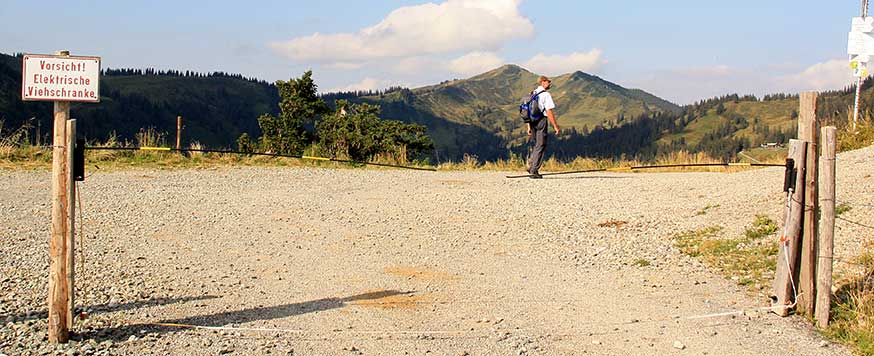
(855, 223)
(303, 157)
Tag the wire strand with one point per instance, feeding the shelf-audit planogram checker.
(854, 222)
(302, 157)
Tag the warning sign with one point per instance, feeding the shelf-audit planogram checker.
(60, 78)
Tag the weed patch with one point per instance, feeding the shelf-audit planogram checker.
(750, 259)
(704, 210)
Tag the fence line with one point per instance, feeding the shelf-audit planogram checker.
(303, 157)
(623, 169)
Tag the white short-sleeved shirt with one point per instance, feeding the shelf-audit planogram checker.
(544, 100)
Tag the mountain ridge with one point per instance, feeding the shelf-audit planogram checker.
(473, 116)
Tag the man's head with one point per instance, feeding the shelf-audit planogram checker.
(544, 82)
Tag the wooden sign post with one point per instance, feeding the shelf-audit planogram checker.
(59, 292)
(62, 79)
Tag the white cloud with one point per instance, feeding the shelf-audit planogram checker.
(833, 74)
(366, 84)
(475, 63)
(561, 64)
(687, 85)
(691, 84)
(413, 65)
(451, 26)
(345, 65)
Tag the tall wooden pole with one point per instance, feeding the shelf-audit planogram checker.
(827, 227)
(59, 289)
(786, 275)
(69, 259)
(808, 131)
(58, 293)
(178, 132)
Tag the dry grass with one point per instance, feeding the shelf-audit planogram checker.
(863, 137)
(750, 259)
(852, 320)
(24, 156)
(11, 140)
(150, 137)
(518, 163)
(15, 152)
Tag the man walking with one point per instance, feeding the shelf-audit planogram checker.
(537, 128)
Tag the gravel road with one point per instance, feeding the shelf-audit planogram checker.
(387, 262)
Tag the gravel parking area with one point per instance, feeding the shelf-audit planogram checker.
(388, 262)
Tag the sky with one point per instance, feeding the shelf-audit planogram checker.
(680, 50)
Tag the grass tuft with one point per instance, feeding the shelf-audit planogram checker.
(641, 262)
(842, 208)
(704, 210)
(750, 259)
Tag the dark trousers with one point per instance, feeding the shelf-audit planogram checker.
(538, 138)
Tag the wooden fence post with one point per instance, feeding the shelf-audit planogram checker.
(786, 276)
(59, 295)
(825, 251)
(69, 259)
(807, 131)
(178, 132)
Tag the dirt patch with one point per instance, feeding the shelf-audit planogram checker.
(391, 300)
(420, 274)
(618, 224)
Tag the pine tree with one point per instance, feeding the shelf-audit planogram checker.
(300, 105)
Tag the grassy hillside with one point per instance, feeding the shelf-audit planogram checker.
(476, 116)
(777, 115)
(490, 100)
(216, 108)
(486, 106)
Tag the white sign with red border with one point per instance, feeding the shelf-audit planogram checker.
(60, 78)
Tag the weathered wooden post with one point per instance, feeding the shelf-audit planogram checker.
(807, 131)
(70, 234)
(62, 79)
(59, 293)
(786, 276)
(178, 132)
(825, 251)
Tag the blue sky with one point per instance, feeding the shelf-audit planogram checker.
(681, 50)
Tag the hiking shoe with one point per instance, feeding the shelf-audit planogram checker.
(536, 175)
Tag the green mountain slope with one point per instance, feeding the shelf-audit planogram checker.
(474, 116)
(216, 108)
(762, 118)
(490, 101)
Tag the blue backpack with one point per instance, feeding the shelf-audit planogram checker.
(530, 110)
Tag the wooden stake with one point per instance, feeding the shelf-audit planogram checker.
(178, 132)
(69, 259)
(827, 227)
(807, 131)
(786, 276)
(59, 295)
